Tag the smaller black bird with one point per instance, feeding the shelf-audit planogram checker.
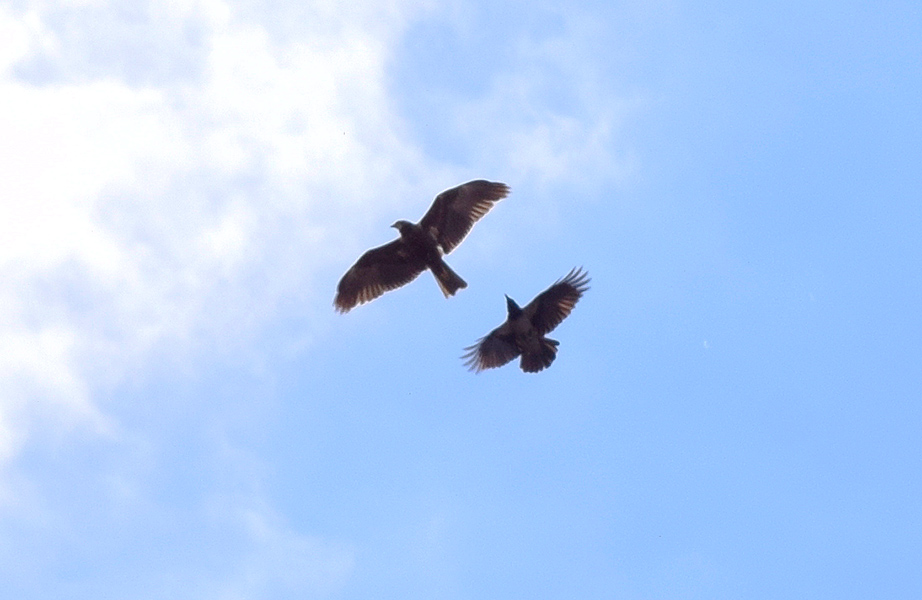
(524, 330)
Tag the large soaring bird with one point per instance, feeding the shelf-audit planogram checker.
(524, 330)
(420, 246)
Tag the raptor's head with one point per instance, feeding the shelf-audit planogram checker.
(402, 226)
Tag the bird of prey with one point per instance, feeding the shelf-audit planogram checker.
(524, 330)
(420, 246)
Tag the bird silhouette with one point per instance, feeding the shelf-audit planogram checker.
(420, 246)
(523, 333)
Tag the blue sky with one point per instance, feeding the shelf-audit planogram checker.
(734, 411)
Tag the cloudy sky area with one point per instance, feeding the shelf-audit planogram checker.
(734, 411)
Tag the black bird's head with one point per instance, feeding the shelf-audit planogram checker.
(512, 308)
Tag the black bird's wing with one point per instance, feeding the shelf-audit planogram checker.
(494, 350)
(379, 270)
(554, 304)
(455, 211)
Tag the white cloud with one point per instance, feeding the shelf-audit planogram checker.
(274, 560)
(282, 562)
(191, 178)
(161, 210)
(560, 121)
(175, 171)
(220, 143)
(134, 213)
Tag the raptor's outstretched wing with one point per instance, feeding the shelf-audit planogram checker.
(455, 211)
(379, 270)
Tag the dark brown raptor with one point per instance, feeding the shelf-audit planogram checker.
(420, 246)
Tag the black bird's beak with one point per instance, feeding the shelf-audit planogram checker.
(511, 307)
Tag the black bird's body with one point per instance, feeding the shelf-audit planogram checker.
(523, 333)
(420, 246)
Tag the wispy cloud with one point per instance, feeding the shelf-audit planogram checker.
(539, 107)
(173, 172)
(280, 561)
(143, 204)
(190, 179)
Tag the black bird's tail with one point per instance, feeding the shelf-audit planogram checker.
(542, 359)
(448, 280)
